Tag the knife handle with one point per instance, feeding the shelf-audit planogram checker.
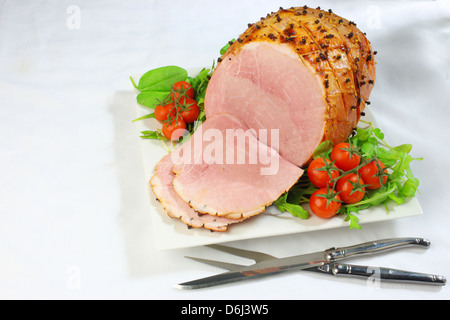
(387, 274)
(373, 247)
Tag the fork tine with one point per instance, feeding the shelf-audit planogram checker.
(220, 264)
(254, 255)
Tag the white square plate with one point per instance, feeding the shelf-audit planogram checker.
(172, 234)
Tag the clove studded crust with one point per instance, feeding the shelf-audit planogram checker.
(331, 48)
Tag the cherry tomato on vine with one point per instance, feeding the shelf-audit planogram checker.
(162, 113)
(350, 188)
(325, 203)
(345, 160)
(174, 130)
(371, 174)
(192, 110)
(181, 90)
(321, 171)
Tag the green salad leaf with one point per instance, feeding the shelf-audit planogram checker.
(225, 47)
(151, 98)
(155, 86)
(397, 159)
(292, 200)
(161, 79)
(200, 83)
(295, 209)
(370, 143)
(148, 134)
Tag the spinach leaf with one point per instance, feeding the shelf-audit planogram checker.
(151, 98)
(161, 79)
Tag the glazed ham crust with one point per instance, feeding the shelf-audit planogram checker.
(334, 50)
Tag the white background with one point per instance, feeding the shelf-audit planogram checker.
(74, 209)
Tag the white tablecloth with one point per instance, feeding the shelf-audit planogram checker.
(74, 209)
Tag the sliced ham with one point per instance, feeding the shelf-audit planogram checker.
(223, 170)
(306, 72)
(161, 184)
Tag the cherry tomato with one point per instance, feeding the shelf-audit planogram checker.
(350, 189)
(344, 159)
(371, 174)
(164, 112)
(323, 207)
(319, 175)
(182, 90)
(192, 111)
(174, 130)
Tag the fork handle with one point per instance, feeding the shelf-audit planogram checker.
(373, 247)
(387, 274)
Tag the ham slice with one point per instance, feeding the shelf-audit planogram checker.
(306, 72)
(224, 170)
(161, 184)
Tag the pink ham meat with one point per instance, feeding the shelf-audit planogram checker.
(161, 184)
(222, 177)
(267, 95)
(304, 71)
